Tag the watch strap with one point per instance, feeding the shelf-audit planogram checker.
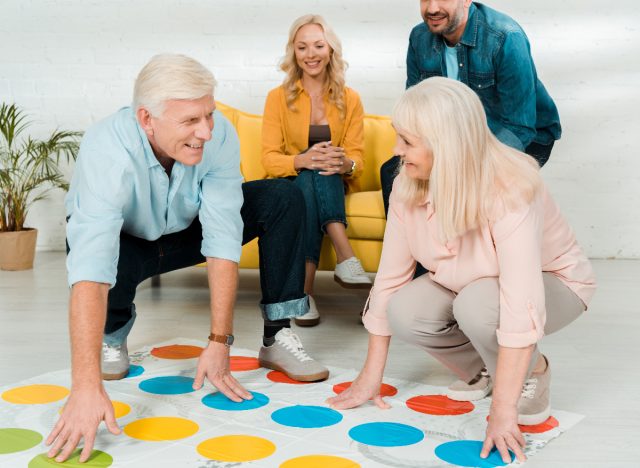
(226, 340)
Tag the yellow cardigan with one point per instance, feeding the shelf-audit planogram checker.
(285, 133)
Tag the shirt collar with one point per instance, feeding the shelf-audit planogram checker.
(470, 34)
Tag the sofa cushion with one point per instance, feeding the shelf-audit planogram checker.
(365, 215)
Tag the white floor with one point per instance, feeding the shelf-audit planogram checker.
(594, 361)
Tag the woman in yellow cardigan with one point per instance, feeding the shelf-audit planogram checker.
(312, 133)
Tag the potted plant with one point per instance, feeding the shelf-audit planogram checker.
(28, 171)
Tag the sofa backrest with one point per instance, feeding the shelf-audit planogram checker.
(379, 139)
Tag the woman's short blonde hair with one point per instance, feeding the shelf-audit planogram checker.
(334, 84)
(474, 177)
(171, 76)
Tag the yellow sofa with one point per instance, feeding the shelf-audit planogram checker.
(365, 210)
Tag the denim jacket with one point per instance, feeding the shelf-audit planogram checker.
(495, 61)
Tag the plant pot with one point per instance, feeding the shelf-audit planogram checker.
(17, 249)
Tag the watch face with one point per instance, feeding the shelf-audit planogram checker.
(230, 339)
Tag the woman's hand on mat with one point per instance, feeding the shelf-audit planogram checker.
(214, 365)
(503, 433)
(322, 157)
(363, 389)
(80, 418)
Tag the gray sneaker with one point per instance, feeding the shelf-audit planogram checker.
(115, 361)
(476, 389)
(311, 318)
(534, 406)
(288, 356)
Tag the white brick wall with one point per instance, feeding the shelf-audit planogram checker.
(71, 62)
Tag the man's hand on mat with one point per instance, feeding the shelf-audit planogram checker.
(80, 418)
(504, 433)
(364, 388)
(214, 365)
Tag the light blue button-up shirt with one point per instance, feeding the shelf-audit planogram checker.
(119, 185)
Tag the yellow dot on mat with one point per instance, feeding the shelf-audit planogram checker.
(161, 428)
(319, 461)
(120, 409)
(35, 394)
(236, 448)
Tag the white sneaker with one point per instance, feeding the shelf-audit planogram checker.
(311, 318)
(289, 357)
(115, 361)
(350, 274)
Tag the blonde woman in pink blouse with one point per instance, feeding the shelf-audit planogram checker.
(504, 265)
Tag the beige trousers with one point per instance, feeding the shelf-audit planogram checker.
(460, 330)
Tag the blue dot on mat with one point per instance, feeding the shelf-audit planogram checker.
(134, 371)
(306, 416)
(170, 385)
(467, 453)
(386, 434)
(221, 402)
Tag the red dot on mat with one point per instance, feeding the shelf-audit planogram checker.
(279, 377)
(545, 426)
(386, 390)
(439, 405)
(177, 352)
(244, 363)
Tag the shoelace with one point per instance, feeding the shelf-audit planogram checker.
(292, 343)
(529, 388)
(483, 373)
(355, 267)
(111, 353)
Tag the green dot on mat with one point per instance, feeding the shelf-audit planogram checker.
(16, 440)
(97, 459)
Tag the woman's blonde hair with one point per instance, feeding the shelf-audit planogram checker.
(171, 76)
(334, 82)
(474, 177)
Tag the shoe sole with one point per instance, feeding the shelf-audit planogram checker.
(307, 322)
(468, 396)
(119, 376)
(533, 419)
(324, 375)
(351, 285)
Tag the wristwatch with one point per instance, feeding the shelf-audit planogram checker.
(226, 340)
(353, 168)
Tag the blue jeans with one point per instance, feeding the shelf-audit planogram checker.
(324, 203)
(270, 212)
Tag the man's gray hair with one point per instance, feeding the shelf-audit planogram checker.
(171, 76)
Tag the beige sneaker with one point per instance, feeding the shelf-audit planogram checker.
(311, 318)
(350, 274)
(289, 357)
(533, 406)
(476, 389)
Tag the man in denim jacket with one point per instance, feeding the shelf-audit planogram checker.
(489, 52)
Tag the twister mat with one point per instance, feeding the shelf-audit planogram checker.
(287, 425)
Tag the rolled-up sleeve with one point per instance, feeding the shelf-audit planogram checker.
(93, 230)
(221, 198)
(518, 242)
(396, 269)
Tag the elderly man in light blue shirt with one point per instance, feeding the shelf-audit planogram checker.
(157, 187)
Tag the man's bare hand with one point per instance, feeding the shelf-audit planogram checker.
(82, 414)
(214, 365)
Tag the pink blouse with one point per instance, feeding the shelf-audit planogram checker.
(516, 249)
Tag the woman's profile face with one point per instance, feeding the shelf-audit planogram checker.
(312, 50)
(416, 156)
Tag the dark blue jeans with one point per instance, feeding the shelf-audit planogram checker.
(324, 203)
(270, 212)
